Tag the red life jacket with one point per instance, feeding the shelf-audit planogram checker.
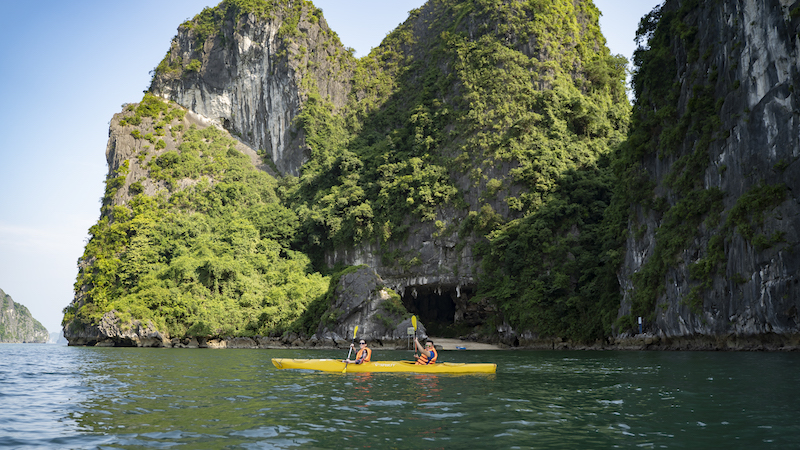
(427, 357)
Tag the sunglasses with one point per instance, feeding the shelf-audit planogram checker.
(363, 343)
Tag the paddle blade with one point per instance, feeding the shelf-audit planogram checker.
(355, 330)
(414, 324)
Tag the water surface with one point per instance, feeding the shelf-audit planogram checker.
(75, 397)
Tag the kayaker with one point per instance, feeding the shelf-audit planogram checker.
(363, 355)
(428, 354)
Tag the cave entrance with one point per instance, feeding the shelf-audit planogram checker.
(434, 306)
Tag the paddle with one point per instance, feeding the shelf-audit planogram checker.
(414, 324)
(355, 330)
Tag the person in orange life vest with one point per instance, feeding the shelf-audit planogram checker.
(363, 355)
(428, 354)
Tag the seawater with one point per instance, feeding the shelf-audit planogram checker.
(74, 397)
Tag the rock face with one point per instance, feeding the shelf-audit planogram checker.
(57, 337)
(255, 74)
(742, 57)
(129, 156)
(111, 332)
(17, 325)
(362, 299)
(439, 286)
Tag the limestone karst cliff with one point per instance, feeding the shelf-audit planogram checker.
(463, 121)
(251, 71)
(483, 162)
(712, 245)
(17, 325)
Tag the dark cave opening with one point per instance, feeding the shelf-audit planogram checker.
(433, 306)
(444, 310)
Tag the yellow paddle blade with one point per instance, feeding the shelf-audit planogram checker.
(414, 322)
(355, 330)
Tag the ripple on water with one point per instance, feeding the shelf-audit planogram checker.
(438, 416)
(386, 403)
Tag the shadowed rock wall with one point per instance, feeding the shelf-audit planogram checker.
(741, 57)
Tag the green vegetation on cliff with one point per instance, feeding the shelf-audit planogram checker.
(553, 271)
(497, 115)
(213, 258)
(546, 269)
(474, 99)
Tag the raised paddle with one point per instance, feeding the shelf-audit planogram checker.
(414, 324)
(355, 330)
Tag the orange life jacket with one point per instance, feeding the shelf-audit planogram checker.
(367, 352)
(427, 357)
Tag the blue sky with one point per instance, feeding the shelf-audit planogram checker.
(69, 66)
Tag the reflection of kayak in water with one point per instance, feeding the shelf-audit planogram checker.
(335, 365)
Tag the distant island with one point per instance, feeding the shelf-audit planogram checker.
(17, 325)
(57, 337)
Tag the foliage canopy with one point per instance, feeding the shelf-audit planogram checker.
(214, 258)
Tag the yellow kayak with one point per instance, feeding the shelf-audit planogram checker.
(335, 365)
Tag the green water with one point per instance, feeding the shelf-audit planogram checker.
(64, 397)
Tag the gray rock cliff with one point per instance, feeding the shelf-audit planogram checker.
(361, 299)
(727, 140)
(111, 332)
(17, 325)
(253, 77)
(742, 57)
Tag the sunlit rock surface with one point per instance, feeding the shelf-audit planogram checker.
(250, 80)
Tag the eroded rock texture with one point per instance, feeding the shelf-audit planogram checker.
(738, 276)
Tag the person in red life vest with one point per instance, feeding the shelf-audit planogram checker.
(428, 354)
(363, 355)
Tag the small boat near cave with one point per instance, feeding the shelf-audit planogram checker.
(335, 365)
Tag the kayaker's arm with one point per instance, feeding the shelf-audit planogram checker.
(418, 346)
(348, 361)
